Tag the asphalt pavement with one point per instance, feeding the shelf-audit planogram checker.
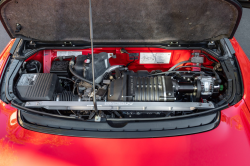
(242, 33)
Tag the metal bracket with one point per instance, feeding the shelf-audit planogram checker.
(133, 56)
(67, 44)
(128, 106)
(97, 118)
(211, 45)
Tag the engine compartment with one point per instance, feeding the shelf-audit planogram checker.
(131, 83)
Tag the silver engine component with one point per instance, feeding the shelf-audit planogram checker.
(144, 87)
(208, 86)
(110, 69)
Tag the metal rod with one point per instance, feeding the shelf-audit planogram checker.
(92, 54)
(121, 106)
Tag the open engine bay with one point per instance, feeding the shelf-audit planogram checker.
(130, 83)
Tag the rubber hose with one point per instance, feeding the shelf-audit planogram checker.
(210, 52)
(81, 78)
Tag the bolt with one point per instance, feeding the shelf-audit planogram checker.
(169, 94)
(168, 45)
(110, 95)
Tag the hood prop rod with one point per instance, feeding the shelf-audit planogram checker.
(92, 55)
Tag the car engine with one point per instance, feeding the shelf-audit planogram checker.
(119, 91)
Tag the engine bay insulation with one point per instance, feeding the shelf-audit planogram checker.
(119, 21)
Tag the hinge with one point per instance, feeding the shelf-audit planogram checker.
(67, 44)
(174, 44)
(211, 45)
(32, 44)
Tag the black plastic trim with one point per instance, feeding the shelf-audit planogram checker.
(229, 46)
(13, 70)
(13, 48)
(116, 132)
(4, 69)
(240, 76)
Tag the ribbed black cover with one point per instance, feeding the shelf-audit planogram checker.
(37, 86)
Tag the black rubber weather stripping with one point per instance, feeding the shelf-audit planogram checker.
(239, 76)
(14, 46)
(13, 70)
(80, 130)
(4, 69)
(228, 69)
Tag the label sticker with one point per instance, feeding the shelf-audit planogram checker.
(27, 79)
(69, 53)
(155, 58)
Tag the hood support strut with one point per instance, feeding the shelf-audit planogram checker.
(92, 54)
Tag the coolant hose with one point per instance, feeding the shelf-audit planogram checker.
(110, 69)
(173, 67)
(81, 78)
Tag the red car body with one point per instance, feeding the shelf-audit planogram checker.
(227, 144)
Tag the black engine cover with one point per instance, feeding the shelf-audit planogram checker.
(141, 87)
(37, 87)
(84, 69)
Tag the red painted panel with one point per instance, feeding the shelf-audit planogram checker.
(123, 58)
(47, 61)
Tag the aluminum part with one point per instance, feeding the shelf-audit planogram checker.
(132, 106)
(164, 88)
(110, 69)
